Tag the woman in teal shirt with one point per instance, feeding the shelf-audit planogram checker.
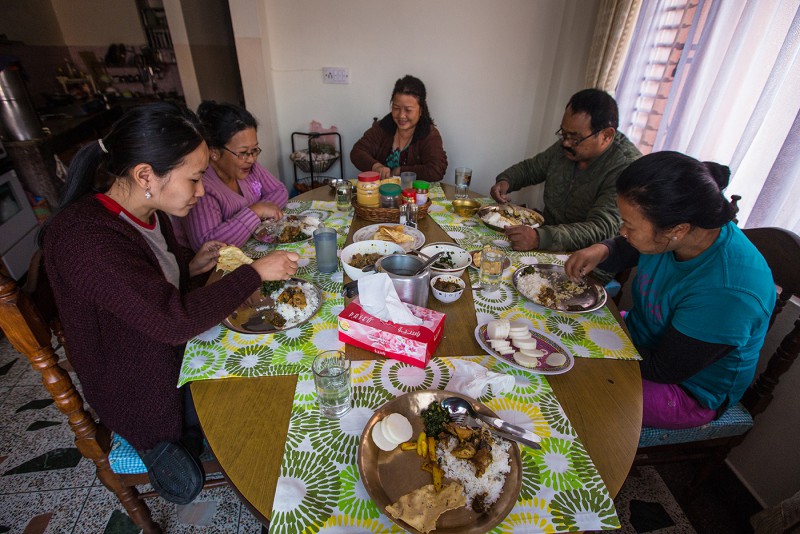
(703, 294)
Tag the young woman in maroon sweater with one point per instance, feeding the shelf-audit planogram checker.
(121, 283)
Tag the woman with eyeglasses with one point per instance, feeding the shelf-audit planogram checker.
(240, 193)
(405, 140)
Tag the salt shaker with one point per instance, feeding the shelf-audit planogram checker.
(412, 211)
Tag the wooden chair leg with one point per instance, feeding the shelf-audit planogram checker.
(33, 339)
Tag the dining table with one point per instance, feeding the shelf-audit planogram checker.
(259, 417)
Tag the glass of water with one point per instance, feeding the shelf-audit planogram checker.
(463, 178)
(332, 381)
(407, 179)
(492, 259)
(344, 191)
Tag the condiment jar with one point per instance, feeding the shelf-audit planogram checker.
(421, 187)
(367, 189)
(390, 196)
(409, 196)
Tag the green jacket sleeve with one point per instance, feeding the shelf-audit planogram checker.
(531, 171)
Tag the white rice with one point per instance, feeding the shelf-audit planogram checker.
(532, 284)
(490, 484)
(294, 315)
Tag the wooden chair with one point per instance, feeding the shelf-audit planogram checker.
(713, 442)
(29, 320)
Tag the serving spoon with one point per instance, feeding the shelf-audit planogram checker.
(430, 262)
(459, 408)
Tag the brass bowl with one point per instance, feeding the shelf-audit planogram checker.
(466, 207)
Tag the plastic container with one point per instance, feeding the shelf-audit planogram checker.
(421, 187)
(367, 194)
(389, 196)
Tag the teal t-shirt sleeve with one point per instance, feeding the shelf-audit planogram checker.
(718, 315)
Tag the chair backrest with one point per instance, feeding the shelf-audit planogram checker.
(781, 249)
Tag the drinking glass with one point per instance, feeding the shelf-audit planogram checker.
(492, 259)
(343, 194)
(332, 381)
(325, 248)
(463, 178)
(407, 179)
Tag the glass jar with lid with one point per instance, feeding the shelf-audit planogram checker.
(367, 189)
(390, 196)
(421, 187)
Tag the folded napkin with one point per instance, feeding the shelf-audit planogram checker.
(378, 297)
(471, 379)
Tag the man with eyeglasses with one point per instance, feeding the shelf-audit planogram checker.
(579, 172)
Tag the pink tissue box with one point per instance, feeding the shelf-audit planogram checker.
(408, 343)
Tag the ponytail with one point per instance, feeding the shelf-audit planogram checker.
(158, 134)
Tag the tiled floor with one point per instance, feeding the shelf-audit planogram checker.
(46, 486)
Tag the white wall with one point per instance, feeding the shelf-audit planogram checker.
(498, 74)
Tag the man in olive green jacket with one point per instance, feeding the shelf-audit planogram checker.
(580, 175)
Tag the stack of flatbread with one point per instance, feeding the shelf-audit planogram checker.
(395, 234)
(231, 257)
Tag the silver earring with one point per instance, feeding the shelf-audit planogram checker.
(148, 194)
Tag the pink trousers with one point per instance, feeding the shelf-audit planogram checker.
(669, 406)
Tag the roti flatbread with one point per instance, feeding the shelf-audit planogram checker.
(422, 507)
(395, 234)
(231, 257)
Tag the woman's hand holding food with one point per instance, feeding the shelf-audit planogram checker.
(267, 210)
(277, 265)
(206, 258)
(583, 261)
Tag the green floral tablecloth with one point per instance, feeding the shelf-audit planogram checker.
(320, 490)
(587, 335)
(221, 353)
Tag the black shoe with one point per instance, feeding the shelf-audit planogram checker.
(174, 473)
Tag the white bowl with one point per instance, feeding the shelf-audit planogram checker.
(384, 248)
(461, 258)
(446, 297)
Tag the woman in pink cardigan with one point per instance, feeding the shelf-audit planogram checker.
(240, 193)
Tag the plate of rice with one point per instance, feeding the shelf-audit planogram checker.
(388, 476)
(548, 285)
(276, 306)
(289, 229)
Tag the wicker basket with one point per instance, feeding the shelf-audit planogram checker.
(386, 214)
(304, 164)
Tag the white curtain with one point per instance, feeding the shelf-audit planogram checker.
(736, 100)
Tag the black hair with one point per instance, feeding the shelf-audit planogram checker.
(672, 188)
(409, 85)
(158, 134)
(223, 121)
(599, 105)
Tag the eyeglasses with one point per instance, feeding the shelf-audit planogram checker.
(573, 139)
(244, 155)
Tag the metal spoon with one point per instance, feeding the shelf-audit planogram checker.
(459, 407)
(430, 262)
